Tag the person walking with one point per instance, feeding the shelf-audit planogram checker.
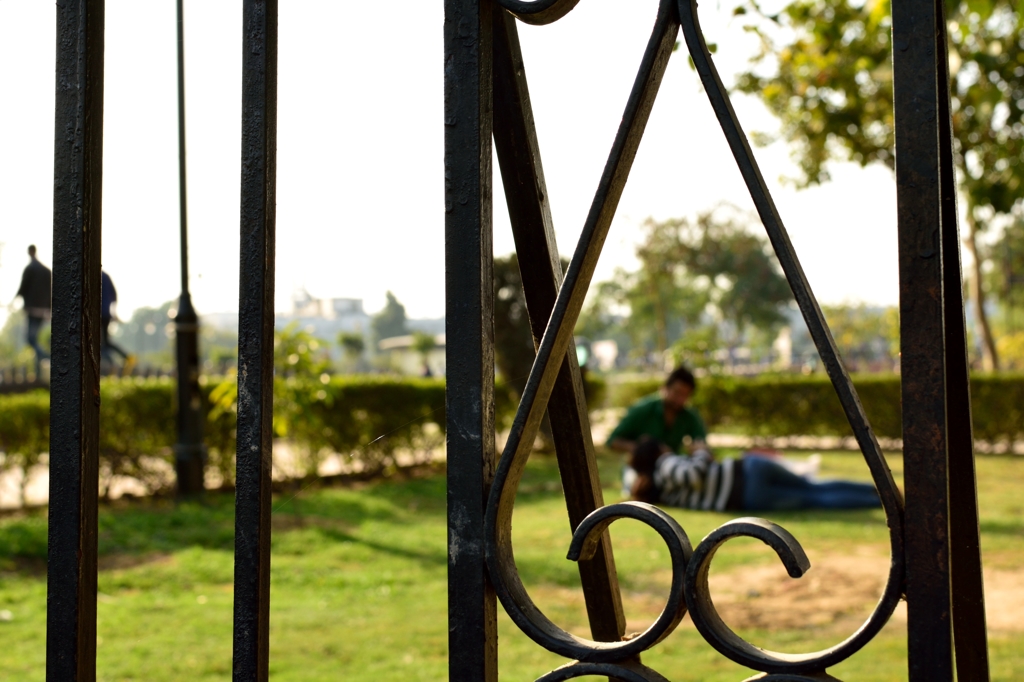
(108, 302)
(35, 292)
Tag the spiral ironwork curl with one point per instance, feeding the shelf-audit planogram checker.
(690, 570)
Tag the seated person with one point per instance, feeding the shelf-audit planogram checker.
(664, 418)
(750, 482)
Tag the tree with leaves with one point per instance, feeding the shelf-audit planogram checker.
(423, 343)
(711, 271)
(390, 321)
(864, 334)
(825, 70)
(353, 345)
(513, 338)
(1006, 281)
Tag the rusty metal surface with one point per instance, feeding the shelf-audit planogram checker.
(526, 194)
(970, 638)
(255, 342)
(552, 385)
(926, 227)
(75, 344)
(554, 345)
(469, 280)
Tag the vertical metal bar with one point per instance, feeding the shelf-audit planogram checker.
(916, 51)
(519, 158)
(255, 341)
(182, 185)
(75, 388)
(970, 637)
(472, 607)
(188, 451)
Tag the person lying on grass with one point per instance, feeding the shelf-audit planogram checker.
(751, 482)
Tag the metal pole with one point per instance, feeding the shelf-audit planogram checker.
(74, 392)
(258, 216)
(189, 454)
(469, 281)
(923, 336)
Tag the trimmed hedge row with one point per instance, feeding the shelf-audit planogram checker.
(794, 405)
(373, 418)
(367, 418)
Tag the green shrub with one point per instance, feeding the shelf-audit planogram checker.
(24, 432)
(366, 418)
(372, 419)
(794, 405)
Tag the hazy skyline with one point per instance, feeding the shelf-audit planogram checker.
(361, 144)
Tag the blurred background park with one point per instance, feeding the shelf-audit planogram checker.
(687, 277)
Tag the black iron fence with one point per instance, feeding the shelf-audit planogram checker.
(933, 533)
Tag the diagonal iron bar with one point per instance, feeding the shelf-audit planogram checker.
(970, 640)
(555, 343)
(522, 174)
(558, 334)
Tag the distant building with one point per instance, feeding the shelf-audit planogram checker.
(325, 318)
(401, 357)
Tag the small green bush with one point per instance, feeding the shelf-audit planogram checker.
(24, 432)
(367, 418)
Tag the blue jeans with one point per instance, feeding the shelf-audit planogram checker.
(769, 486)
(35, 325)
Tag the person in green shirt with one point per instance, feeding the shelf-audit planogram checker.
(664, 418)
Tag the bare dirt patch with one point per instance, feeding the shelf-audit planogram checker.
(834, 597)
(838, 591)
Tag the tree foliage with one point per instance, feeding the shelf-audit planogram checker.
(423, 343)
(390, 321)
(864, 334)
(352, 344)
(711, 272)
(825, 71)
(1007, 274)
(513, 339)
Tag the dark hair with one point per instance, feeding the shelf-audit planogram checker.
(32, 249)
(642, 460)
(684, 375)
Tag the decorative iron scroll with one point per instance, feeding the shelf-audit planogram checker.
(690, 566)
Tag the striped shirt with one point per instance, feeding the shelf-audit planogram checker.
(697, 481)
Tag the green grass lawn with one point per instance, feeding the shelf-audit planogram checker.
(359, 583)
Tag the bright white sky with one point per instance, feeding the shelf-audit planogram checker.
(360, 149)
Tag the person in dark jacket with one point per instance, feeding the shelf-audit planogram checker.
(108, 299)
(35, 292)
